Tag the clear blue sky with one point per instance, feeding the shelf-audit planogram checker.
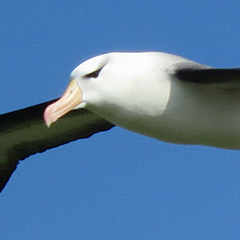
(117, 184)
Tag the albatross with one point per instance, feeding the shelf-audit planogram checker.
(156, 94)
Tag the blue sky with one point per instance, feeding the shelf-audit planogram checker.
(117, 184)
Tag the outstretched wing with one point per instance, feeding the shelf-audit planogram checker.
(197, 73)
(23, 133)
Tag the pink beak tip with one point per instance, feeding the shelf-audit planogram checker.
(47, 116)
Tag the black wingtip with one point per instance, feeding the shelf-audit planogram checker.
(5, 174)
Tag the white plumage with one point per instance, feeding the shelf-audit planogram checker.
(160, 95)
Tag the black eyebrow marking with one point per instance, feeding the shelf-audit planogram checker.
(93, 74)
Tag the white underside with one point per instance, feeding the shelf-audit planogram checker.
(193, 114)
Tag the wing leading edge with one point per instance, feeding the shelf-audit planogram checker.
(197, 73)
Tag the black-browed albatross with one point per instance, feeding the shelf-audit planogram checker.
(160, 95)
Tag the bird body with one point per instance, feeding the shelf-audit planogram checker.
(142, 93)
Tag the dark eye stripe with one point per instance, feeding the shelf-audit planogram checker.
(93, 74)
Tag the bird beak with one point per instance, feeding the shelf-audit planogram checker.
(69, 100)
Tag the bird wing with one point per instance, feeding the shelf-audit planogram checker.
(24, 133)
(197, 73)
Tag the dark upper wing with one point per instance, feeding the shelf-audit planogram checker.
(197, 73)
(23, 133)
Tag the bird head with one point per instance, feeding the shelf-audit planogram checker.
(112, 85)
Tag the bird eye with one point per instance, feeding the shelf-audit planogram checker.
(93, 74)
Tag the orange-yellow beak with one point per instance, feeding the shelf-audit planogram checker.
(69, 100)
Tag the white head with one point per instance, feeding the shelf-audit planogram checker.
(113, 85)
